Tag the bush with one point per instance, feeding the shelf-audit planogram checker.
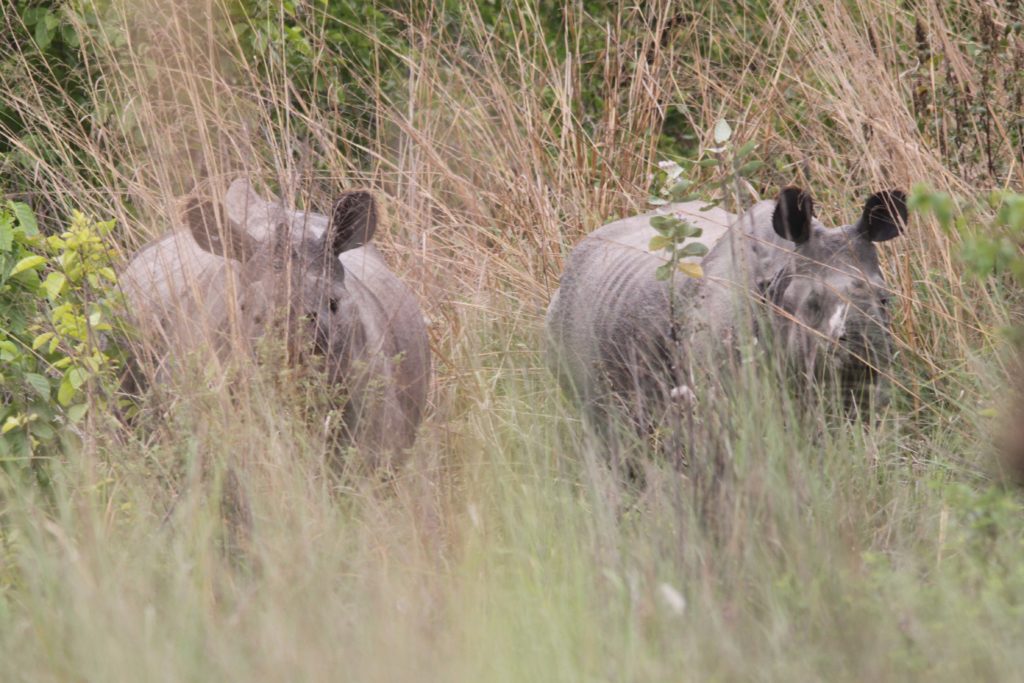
(990, 250)
(57, 299)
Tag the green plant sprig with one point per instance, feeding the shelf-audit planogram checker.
(58, 297)
(677, 187)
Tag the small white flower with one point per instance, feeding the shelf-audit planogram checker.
(673, 598)
(474, 516)
(684, 394)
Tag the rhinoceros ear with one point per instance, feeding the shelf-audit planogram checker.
(884, 217)
(353, 222)
(215, 233)
(793, 213)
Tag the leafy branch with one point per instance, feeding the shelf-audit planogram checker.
(672, 235)
(58, 297)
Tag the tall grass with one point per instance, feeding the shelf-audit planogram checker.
(792, 547)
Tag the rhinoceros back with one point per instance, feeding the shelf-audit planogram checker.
(180, 293)
(611, 311)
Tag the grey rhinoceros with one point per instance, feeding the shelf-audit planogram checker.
(248, 269)
(616, 336)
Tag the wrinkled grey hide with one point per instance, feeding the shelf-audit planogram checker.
(249, 268)
(611, 337)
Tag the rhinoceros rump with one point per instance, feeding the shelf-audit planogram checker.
(255, 270)
(616, 336)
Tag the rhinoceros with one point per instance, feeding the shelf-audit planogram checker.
(248, 269)
(616, 334)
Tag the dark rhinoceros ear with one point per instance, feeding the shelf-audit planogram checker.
(353, 222)
(215, 233)
(793, 213)
(885, 216)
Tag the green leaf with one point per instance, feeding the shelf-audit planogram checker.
(920, 197)
(1011, 212)
(6, 233)
(663, 272)
(691, 269)
(53, 284)
(41, 429)
(26, 218)
(663, 223)
(41, 339)
(751, 167)
(681, 193)
(8, 350)
(693, 249)
(686, 229)
(28, 263)
(77, 412)
(40, 383)
(77, 376)
(69, 35)
(10, 424)
(708, 163)
(746, 149)
(942, 206)
(658, 243)
(44, 32)
(723, 131)
(28, 278)
(17, 445)
(66, 391)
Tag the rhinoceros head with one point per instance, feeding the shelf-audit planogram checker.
(292, 285)
(830, 296)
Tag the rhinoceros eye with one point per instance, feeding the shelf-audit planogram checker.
(333, 304)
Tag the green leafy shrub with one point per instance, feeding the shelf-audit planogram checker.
(58, 297)
(990, 247)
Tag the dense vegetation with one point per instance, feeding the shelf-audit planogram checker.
(791, 545)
